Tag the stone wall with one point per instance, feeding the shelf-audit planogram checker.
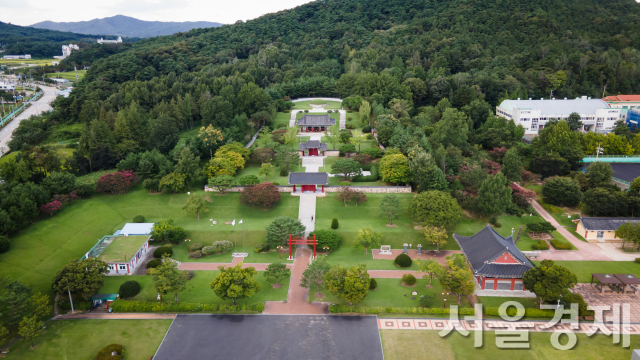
(332, 153)
(332, 189)
(238, 188)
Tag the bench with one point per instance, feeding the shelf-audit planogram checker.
(385, 250)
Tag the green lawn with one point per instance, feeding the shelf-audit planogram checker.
(69, 75)
(198, 290)
(352, 256)
(82, 339)
(583, 269)
(496, 301)
(390, 292)
(335, 180)
(51, 242)
(8, 156)
(304, 105)
(415, 344)
(180, 253)
(281, 118)
(253, 168)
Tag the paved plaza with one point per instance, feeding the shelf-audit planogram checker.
(594, 298)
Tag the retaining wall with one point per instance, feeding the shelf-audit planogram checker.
(332, 189)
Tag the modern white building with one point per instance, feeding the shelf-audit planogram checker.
(596, 115)
(17, 57)
(7, 86)
(103, 41)
(66, 51)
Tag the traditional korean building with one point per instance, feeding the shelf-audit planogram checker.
(313, 148)
(312, 182)
(496, 262)
(315, 123)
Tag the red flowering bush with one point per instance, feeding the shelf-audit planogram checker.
(51, 207)
(521, 196)
(491, 167)
(118, 182)
(498, 153)
(264, 195)
(69, 197)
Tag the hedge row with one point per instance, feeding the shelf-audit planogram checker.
(369, 178)
(65, 305)
(336, 309)
(146, 306)
(528, 312)
(559, 245)
(541, 245)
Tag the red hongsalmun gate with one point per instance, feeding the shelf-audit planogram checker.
(301, 241)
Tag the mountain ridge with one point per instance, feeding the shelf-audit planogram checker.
(124, 26)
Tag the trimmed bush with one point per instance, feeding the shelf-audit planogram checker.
(350, 126)
(339, 309)
(129, 289)
(327, 238)
(154, 263)
(190, 274)
(162, 250)
(222, 246)
(334, 223)
(264, 247)
(284, 171)
(638, 260)
(196, 246)
(5, 244)
(207, 250)
(373, 284)
(559, 245)
(369, 178)
(366, 129)
(541, 245)
(373, 152)
(138, 219)
(528, 312)
(195, 254)
(86, 190)
(153, 306)
(408, 279)
(105, 354)
(403, 260)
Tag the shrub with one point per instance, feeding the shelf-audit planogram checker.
(350, 126)
(334, 223)
(153, 185)
(528, 312)
(403, 260)
(345, 183)
(162, 250)
(408, 279)
(544, 226)
(154, 263)
(263, 195)
(196, 246)
(222, 246)
(349, 111)
(175, 234)
(373, 284)
(638, 260)
(105, 354)
(264, 247)
(249, 180)
(336, 309)
(207, 250)
(369, 178)
(129, 289)
(373, 152)
(559, 245)
(363, 159)
(561, 191)
(138, 219)
(118, 182)
(349, 118)
(327, 238)
(426, 300)
(195, 254)
(5, 244)
(306, 111)
(153, 306)
(366, 129)
(541, 245)
(86, 190)
(190, 274)
(282, 125)
(284, 171)
(65, 305)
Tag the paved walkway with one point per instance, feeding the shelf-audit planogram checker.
(343, 119)
(307, 212)
(607, 300)
(312, 163)
(298, 296)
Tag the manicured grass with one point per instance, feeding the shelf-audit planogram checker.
(496, 301)
(122, 248)
(69, 75)
(41, 249)
(198, 289)
(583, 269)
(253, 168)
(82, 339)
(415, 344)
(8, 156)
(281, 118)
(351, 256)
(336, 180)
(181, 253)
(390, 292)
(304, 105)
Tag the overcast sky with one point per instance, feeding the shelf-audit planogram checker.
(27, 12)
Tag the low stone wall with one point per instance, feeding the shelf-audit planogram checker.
(238, 188)
(332, 189)
(332, 153)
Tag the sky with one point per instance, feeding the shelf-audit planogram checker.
(27, 12)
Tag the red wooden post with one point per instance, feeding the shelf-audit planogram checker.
(314, 245)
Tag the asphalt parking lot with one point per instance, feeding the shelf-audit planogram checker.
(271, 337)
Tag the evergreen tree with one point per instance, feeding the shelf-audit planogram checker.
(494, 195)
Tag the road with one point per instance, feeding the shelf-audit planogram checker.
(37, 107)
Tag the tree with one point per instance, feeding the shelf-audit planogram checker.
(395, 169)
(210, 137)
(30, 328)
(365, 111)
(187, 164)
(345, 194)
(347, 149)
(512, 166)
(279, 230)
(549, 281)
(51, 207)
(57, 183)
(599, 173)
(494, 195)
(266, 169)
(458, 279)
(221, 182)
(345, 136)
(347, 168)
(163, 134)
(367, 238)
(561, 191)
(220, 166)
(263, 155)
(167, 277)
(628, 232)
(87, 144)
(195, 205)
(357, 140)
(430, 268)
(235, 283)
(334, 135)
(574, 121)
(287, 157)
(435, 208)
(84, 277)
(249, 180)
(351, 284)
(314, 273)
(231, 157)
(118, 182)
(549, 164)
(390, 207)
(173, 182)
(635, 184)
(435, 235)
(277, 271)
(264, 195)
(452, 129)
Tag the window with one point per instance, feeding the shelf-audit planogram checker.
(518, 285)
(488, 284)
(504, 285)
(599, 123)
(122, 267)
(600, 234)
(534, 124)
(111, 267)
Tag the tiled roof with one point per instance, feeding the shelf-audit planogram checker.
(605, 223)
(316, 120)
(556, 107)
(308, 178)
(313, 144)
(622, 98)
(486, 246)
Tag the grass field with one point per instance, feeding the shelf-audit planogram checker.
(304, 105)
(69, 75)
(198, 289)
(583, 269)
(18, 62)
(495, 301)
(415, 344)
(351, 256)
(390, 292)
(82, 339)
(253, 168)
(8, 156)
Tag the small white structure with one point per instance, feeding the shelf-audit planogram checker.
(64, 93)
(596, 115)
(59, 81)
(7, 86)
(17, 57)
(103, 41)
(385, 250)
(136, 229)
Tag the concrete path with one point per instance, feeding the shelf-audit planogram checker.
(38, 106)
(343, 119)
(498, 325)
(317, 137)
(307, 211)
(298, 296)
(312, 163)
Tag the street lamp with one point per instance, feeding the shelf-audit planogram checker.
(444, 301)
(188, 241)
(279, 252)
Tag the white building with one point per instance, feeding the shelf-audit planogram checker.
(7, 86)
(17, 57)
(66, 51)
(596, 115)
(103, 41)
(59, 81)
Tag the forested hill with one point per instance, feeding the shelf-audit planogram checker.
(39, 43)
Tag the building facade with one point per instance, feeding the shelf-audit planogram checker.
(601, 229)
(315, 123)
(7, 86)
(596, 115)
(623, 101)
(17, 57)
(496, 261)
(308, 182)
(313, 148)
(103, 41)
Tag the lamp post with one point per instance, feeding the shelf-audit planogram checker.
(326, 249)
(444, 301)
(279, 252)
(188, 241)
